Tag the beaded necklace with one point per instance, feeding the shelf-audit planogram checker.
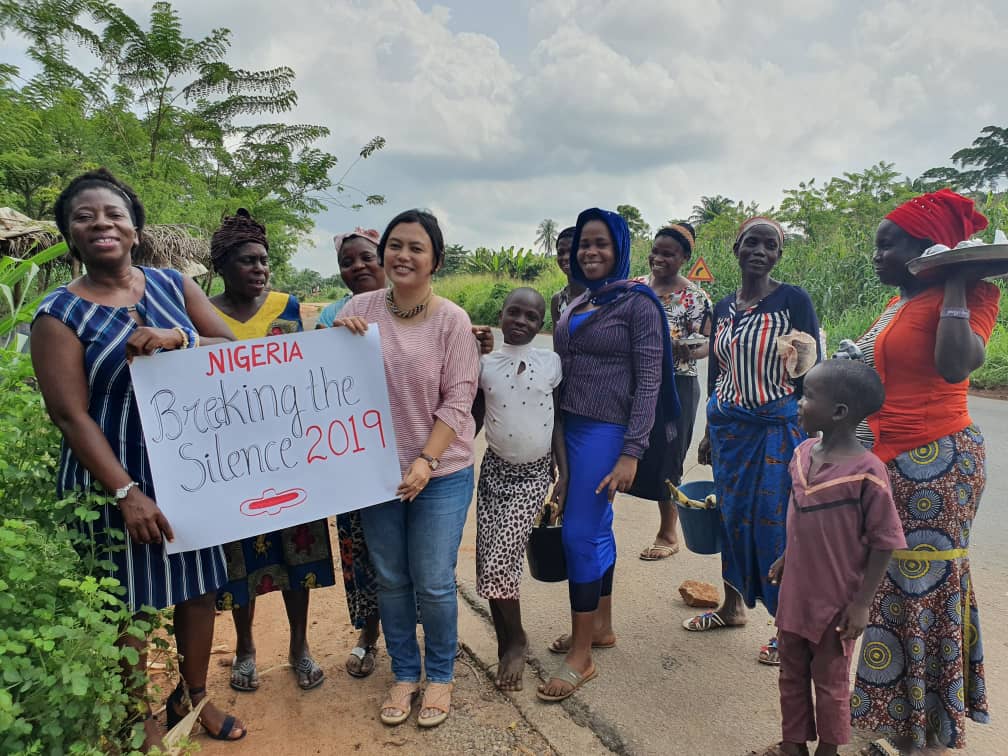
(412, 311)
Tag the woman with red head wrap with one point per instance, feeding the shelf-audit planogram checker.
(921, 668)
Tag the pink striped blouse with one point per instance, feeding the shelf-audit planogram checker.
(432, 371)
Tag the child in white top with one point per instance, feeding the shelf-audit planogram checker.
(517, 398)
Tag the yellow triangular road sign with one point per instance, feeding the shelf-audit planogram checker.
(700, 272)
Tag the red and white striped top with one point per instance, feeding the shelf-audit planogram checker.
(746, 368)
(432, 371)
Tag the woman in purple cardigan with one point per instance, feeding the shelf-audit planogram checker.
(617, 366)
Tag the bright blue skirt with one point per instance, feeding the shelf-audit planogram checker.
(592, 450)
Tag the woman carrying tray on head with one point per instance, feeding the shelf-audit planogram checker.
(921, 668)
(752, 423)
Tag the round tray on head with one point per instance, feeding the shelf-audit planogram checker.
(987, 261)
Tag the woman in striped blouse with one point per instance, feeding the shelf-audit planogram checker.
(82, 337)
(431, 368)
(752, 424)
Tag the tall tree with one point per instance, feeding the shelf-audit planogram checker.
(989, 155)
(710, 208)
(983, 164)
(848, 204)
(638, 228)
(454, 259)
(172, 116)
(546, 235)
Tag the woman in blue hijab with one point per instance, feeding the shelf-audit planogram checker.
(614, 345)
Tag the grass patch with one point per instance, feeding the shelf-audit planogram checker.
(482, 294)
(994, 372)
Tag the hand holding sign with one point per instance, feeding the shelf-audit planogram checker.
(146, 340)
(294, 427)
(353, 324)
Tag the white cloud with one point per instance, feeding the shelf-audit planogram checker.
(611, 101)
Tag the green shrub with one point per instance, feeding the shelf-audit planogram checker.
(30, 444)
(16, 286)
(507, 262)
(482, 294)
(994, 372)
(62, 688)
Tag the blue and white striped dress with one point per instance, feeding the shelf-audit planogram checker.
(151, 576)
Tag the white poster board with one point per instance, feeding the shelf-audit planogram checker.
(252, 436)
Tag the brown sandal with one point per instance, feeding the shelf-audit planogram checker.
(400, 698)
(436, 696)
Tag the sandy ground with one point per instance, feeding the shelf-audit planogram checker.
(341, 716)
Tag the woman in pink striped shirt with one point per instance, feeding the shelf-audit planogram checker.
(432, 369)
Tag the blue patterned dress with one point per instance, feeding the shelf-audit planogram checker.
(151, 576)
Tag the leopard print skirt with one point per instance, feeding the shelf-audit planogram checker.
(508, 500)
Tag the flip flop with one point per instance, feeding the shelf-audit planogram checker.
(769, 654)
(880, 747)
(663, 552)
(701, 623)
(565, 673)
(306, 666)
(366, 654)
(555, 649)
(244, 675)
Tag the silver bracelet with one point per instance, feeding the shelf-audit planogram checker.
(955, 312)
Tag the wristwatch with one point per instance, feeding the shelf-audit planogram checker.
(120, 493)
(432, 461)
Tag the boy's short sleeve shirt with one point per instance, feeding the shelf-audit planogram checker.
(833, 521)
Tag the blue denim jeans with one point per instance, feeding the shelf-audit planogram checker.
(414, 548)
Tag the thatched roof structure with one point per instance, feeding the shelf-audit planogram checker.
(161, 245)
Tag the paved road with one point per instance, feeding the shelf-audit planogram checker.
(665, 691)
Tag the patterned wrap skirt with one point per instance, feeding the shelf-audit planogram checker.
(358, 572)
(509, 497)
(921, 663)
(751, 451)
(296, 557)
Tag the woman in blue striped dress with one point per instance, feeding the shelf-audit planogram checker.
(752, 424)
(83, 335)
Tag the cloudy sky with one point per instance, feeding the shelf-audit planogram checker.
(499, 114)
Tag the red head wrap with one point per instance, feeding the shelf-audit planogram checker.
(944, 217)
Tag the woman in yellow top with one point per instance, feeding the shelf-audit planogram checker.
(295, 559)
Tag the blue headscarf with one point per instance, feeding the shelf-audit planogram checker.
(621, 247)
(615, 286)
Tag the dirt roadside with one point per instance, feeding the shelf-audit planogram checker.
(341, 716)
